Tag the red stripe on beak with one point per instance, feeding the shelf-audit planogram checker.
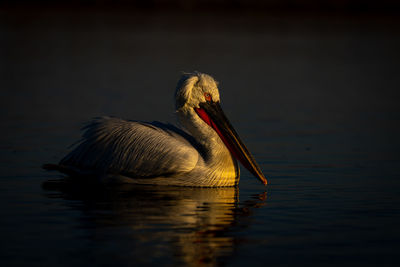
(231, 146)
(204, 116)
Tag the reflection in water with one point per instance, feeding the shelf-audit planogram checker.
(195, 224)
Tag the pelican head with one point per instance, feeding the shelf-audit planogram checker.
(197, 103)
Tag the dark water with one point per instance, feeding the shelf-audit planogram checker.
(315, 100)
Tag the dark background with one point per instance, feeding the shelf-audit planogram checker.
(330, 64)
(69, 50)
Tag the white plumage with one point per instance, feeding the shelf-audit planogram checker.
(115, 150)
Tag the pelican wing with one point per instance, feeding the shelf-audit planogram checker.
(133, 149)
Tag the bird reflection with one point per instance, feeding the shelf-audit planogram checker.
(191, 226)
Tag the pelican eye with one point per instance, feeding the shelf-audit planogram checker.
(207, 96)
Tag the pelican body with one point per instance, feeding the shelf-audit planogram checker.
(202, 155)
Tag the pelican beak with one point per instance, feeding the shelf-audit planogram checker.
(211, 113)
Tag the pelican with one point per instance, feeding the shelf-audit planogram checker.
(202, 154)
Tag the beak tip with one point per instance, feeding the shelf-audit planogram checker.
(263, 180)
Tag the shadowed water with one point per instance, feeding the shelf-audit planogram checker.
(137, 220)
(315, 101)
